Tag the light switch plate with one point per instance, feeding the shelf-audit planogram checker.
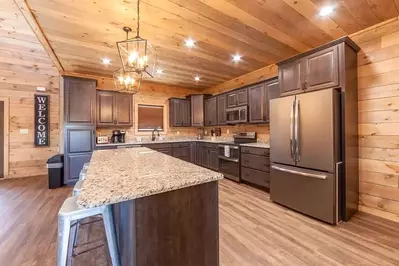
(23, 131)
(228, 131)
(178, 132)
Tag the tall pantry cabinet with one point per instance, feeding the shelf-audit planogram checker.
(79, 125)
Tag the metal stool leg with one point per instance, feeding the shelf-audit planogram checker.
(64, 227)
(72, 242)
(111, 235)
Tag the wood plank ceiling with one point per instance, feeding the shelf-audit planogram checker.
(81, 32)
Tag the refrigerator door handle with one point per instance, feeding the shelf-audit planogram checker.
(292, 130)
(282, 169)
(296, 136)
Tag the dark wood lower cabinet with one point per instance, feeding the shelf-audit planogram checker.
(255, 166)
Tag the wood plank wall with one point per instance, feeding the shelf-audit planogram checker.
(378, 71)
(24, 65)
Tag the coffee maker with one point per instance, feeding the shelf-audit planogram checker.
(121, 137)
(115, 136)
(118, 136)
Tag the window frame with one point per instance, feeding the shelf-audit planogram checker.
(146, 132)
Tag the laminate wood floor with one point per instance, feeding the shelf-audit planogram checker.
(253, 231)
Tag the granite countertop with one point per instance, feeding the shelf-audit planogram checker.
(263, 145)
(119, 175)
(224, 140)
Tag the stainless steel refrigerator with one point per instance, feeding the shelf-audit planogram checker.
(306, 154)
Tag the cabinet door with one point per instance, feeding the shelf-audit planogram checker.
(175, 113)
(80, 101)
(105, 108)
(73, 165)
(210, 112)
(186, 113)
(79, 140)
(322, 69)
(124, 110)
(214, 159)
(232, 99)
(242, 97)
(205, 157)
(197, 110)
(257, 98)
(193, 152)
(272, 91)
(199, 153)
(221, 109)
(290, 78)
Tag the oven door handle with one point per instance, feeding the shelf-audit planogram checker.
(229, 159)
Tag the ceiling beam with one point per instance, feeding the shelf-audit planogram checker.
(34, 25)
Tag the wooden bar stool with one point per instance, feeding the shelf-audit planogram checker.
(68, 216)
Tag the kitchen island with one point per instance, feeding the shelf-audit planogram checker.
(165, 209)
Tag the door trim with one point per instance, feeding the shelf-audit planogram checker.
(6, 102)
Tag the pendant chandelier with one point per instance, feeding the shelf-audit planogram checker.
(138, 60)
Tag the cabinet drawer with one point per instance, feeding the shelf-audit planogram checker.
(210, 145)
(158, 146)
(181, 145)
(256, 177)
(256, 151)
(255, 162)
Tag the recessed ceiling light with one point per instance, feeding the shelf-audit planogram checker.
(190, 42)
(237, 58)
(197, 78)
(325, 11)
(159, 71)
(106, 61)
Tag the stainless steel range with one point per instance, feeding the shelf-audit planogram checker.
(229, 154)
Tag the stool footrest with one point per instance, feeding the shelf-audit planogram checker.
(87, 250)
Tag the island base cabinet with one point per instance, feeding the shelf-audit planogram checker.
(176, 228)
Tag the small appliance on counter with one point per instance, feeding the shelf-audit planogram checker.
(200, 133)
(102, 139)
(122, 136)
(118, 136)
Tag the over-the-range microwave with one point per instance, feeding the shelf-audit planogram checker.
(237, 115)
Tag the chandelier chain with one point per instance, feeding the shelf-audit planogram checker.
(138, 18)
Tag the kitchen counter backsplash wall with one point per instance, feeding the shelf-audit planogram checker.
(262, 130)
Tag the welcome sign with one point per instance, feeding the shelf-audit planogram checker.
(41, 120)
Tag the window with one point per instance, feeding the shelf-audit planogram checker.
(150, 117)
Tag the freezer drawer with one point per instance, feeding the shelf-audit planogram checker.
(306, 191)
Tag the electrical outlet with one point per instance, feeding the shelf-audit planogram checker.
(206, 132)
(23, 131)
(40, 88)
(228, 131)
(178, 132)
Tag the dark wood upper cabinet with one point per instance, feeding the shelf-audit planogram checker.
(273, 89)
(237, 98)
(105, 108)
(315, 70)
(257, 98)
(290, 77)
(322, 69)
(124, 109)
(211, 118)
(114, 109)
(80, 101)
(221, 109)
(179, 112)
(197, 110)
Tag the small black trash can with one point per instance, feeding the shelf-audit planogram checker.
(55, 165)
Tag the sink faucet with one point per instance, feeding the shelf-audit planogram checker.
(153, 135)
